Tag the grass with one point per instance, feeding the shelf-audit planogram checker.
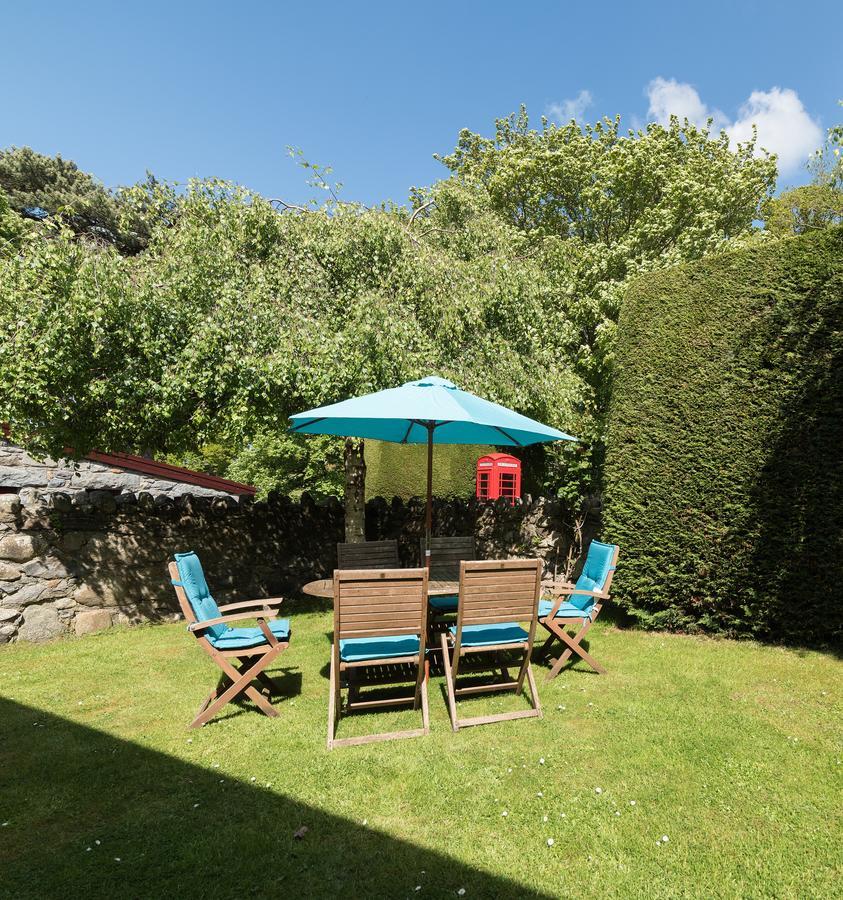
(731, 750)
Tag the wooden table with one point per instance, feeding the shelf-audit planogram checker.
(440, 584)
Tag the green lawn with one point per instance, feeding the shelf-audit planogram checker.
(730, 750)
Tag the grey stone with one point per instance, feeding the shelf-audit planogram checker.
(28, 593)
(100, 596)
(21, 547)
(92, 620)
(49, 567)
(8, 572)
(103, 500)
(9, 507)
(8, 615)
(7, 632)
(64, 603)
(40, 623)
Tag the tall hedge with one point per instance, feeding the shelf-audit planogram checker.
(724, 470)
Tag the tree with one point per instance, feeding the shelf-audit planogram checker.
(41, 187)
(815, 205)
(237, 315)
(600, 206)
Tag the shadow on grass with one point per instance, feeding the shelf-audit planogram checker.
(66, 787)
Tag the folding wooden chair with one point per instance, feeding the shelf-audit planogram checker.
(368, 555)
(380, 619)
(446, 554)
(495, 596)
(583, 607)
(252, 649)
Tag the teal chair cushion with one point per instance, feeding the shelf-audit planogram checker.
(485, 635)
(361, 649)
(598, 564)
(448, 603)
(246, 638)
(565, 611)
(198, 595)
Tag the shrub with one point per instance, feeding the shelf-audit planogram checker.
(724, 475)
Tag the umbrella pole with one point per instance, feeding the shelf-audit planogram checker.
(428, 523)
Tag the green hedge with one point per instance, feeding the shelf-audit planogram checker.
(398, 470)
(724, 470)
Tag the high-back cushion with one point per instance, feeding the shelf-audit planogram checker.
(596, 570)
(493, 592)
(196, 588)
(368, 555)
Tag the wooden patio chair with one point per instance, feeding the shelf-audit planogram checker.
(241, 653)
(380, 619)
(368, 555)
(446, 554)
(495, 597)
(586, 599)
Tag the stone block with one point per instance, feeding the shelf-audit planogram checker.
(21, 547)
(9, 572)
(7, 632)
(92, 620)
(9, 615)
(9, 508)
(40, 623)
(99, 596)
(28, 593)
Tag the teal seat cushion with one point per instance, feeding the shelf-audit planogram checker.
(192, 579)
(246, 638)
(448, 603)
(565, 611)
(485, 635)
(361, 649)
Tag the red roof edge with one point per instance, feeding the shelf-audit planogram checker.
(170, 473)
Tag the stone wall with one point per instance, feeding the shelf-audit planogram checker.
(83, 562)
(21, 472)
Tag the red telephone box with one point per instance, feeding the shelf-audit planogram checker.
(498, 475)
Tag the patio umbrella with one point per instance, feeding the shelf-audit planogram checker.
(429, 411)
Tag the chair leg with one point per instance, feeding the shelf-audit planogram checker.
(573, 646)
(424, 704)
(332, 704)
(545, 647)
(240, 682)
(449, 683)
(534, 694)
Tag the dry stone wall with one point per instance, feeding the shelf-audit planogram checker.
(83, 562)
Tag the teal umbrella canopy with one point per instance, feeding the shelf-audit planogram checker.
(431, 410)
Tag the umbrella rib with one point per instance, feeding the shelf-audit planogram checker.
(306, 424)
(407, 433)
(508, 436)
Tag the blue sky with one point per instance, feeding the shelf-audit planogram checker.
(374, 89)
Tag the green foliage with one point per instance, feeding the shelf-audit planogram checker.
(724, 475)
(393, 470)
(804, 209)
(291, 464)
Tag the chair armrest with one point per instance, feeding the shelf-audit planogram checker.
(572, 589)
(253, 604)
(222, 620)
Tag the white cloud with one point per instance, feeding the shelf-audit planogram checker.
(572, 108)
(784, 125)
(669, 97)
